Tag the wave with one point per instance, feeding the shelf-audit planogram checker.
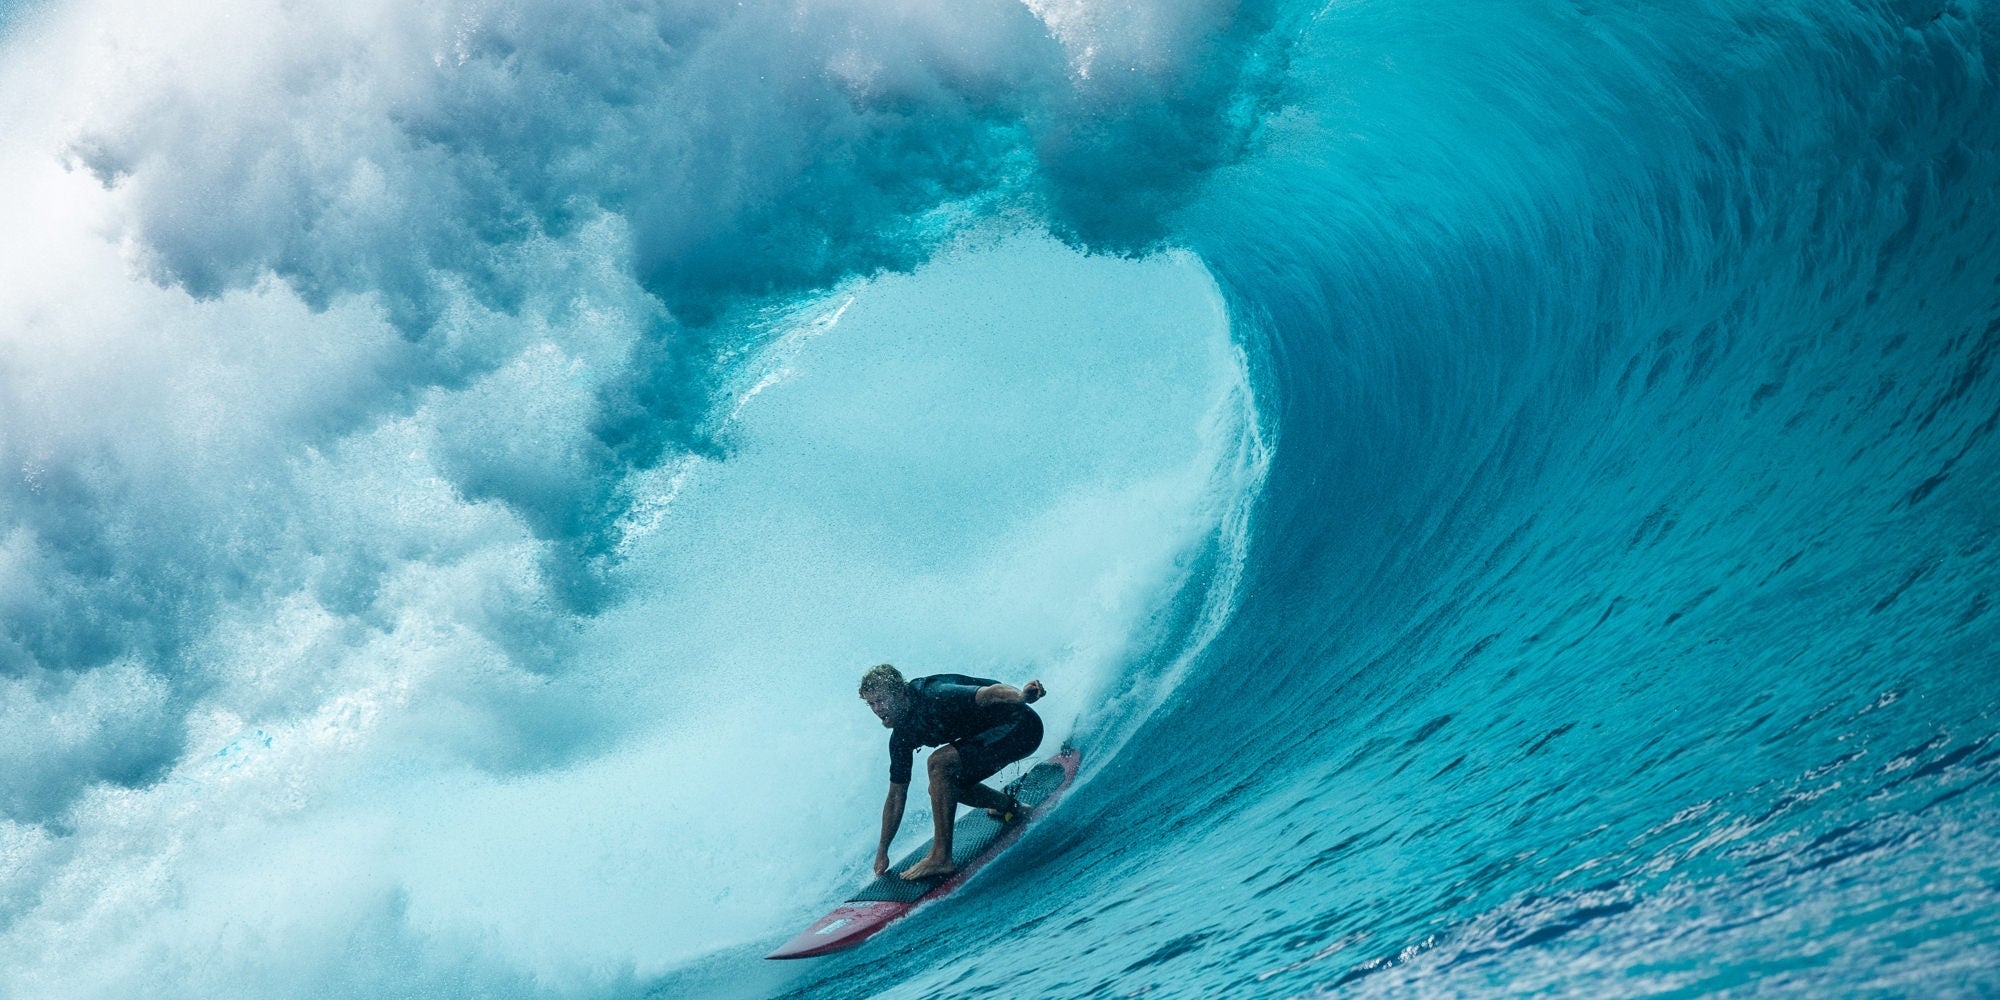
(1608, 624)
(1503, 491)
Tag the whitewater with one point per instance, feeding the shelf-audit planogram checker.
(1501, 494)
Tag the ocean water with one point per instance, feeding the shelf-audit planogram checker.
(1501, 494)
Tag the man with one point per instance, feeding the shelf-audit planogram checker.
(984, 725)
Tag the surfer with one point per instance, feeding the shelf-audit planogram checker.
(983, 725)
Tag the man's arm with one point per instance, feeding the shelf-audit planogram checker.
(892, 817)
(1001, 694)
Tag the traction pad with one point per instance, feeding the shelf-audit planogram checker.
(970, 837)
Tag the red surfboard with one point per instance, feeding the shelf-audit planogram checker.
(975, 839)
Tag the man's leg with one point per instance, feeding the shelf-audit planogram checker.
(944, 808)
(988, 752)
(982, 797)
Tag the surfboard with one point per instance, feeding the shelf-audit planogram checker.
(975, 839)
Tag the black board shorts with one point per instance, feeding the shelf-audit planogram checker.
(984, 753)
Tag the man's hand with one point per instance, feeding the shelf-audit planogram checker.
(1001, 694)
(892, 817)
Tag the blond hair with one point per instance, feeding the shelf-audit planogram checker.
(881, 678)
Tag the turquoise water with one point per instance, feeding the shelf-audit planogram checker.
(1501, 493)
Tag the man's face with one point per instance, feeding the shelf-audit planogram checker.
(888, 706)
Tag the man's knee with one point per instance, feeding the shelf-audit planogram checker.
(944, 762)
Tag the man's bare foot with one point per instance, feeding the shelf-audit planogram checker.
(930, 867)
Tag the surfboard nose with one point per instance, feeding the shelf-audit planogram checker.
(843, 928)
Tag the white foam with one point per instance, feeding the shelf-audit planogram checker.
(288, 439)
(999, 465)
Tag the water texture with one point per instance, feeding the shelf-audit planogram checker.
(1502, 493)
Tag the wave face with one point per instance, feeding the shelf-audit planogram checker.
(1501, 496)
(1619, 615)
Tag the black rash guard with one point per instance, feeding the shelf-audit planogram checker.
(943, 708)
